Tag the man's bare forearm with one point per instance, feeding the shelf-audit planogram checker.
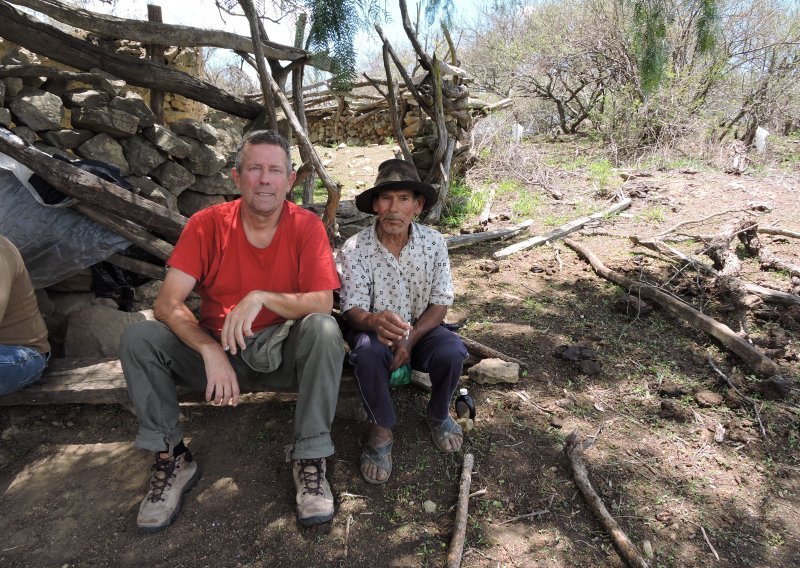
(432, 316)
(183, 323)
(297, 306)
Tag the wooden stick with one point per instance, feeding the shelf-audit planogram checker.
(767, 294)
(347, 534)
(740, 393)
(708, 542)
(504, 233)
(563, 230)
(526, 516)
(138, 266)
(460, 533)
(749, 354)
(486, 352)
(779, 231)
(573, 450)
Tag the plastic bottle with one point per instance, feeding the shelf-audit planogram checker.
(465, 406)
(400, 376)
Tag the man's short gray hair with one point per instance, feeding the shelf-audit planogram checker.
(255, 137)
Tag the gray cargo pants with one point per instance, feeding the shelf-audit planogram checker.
(155, 360)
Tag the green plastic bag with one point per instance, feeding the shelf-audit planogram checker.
(400, 376)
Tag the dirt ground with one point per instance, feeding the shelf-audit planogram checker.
(71, 481)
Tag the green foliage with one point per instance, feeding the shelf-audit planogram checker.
(462, 202)
(649, 34)
(601, 173)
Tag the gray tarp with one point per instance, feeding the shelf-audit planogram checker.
(55, 242)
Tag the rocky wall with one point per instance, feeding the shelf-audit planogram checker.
(184, 165)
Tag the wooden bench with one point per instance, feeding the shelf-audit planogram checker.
(100, 381)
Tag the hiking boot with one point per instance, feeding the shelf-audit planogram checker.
(172, 477)
(314, 497)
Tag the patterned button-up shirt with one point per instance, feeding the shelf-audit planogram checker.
(374, 280)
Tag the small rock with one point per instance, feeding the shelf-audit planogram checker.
(429, 506)
(556, 422)
(467, 424)
(708, 398)
(494, 371)
(588, 367)
(489, 266)
(719, 433)
(673, 410)
(575, 353)
(672, 390)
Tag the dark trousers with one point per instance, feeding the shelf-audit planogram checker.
(440, 353)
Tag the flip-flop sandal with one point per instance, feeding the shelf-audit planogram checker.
(381, 457)
(441, 430)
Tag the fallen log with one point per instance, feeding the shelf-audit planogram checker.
(486, 352)
(456, 241)
(155, 32)
(138, 266)
(46, 40)
(563, 230)
(124, 228)
(460, 531)
(89, 188)
(779, 231)
(573, 450)
(767, 294)
(721, 332)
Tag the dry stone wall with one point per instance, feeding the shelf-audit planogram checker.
(184, 165)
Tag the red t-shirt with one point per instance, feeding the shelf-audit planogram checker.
(214, 249)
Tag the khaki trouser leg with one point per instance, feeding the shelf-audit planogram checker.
(154, 360)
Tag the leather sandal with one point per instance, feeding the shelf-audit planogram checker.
(380, 457)
(441, 431)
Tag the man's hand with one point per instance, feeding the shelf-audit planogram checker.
(239, 321)
(390, 327)
(402, 352)
(221, 382)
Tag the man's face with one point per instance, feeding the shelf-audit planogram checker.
(396, 210)
(264, 180)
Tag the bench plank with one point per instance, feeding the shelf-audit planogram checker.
(100, 381)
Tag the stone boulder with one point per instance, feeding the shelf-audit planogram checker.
(134, 104)
(203, 159)
(167, 141)
(110, 84)
(116, 123)
(5, 117)
(66, 138)
(220, 183)
(105, 149)
(142, 155)
(95, 331)
(13, 86)
(2, 93)
(149, 189)
(37, 109)
(493, 372)
(28, 136)
(85, 98)
(191, 128)
(190, 202)
(173, 176)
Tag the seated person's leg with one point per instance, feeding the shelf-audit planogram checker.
(153, 361)
(371, 361)
(19, 367)
(312, 358)
(441, 353)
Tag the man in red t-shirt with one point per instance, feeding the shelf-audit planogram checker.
(265, 275)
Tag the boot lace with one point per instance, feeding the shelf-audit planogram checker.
(311, 476)
(162, 479)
